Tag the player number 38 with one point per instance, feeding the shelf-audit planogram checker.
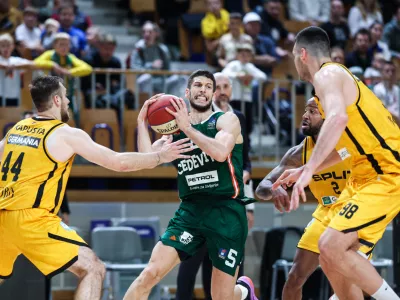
(349, 210)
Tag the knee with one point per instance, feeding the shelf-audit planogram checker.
(93, 266)
(148, 278)
(327, 248)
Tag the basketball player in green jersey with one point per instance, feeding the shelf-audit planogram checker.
(210, 187)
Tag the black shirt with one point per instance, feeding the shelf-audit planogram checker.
(354, 59)
(272, 27)
(338, 34)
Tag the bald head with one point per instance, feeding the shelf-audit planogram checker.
(223, 91)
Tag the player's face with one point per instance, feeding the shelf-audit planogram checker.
(312, 120)
(64, 105)
(301, 67)
(223, 92)
(200, 93)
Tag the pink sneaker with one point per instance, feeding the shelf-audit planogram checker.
(248, 284)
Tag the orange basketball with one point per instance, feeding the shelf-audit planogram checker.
(159, 119)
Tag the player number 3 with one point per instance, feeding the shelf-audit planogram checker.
(231, 260)
(349, 210)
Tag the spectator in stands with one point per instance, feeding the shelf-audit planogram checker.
(391, 34)
(363, 15)
(373, 74)
(337, 55)
(63, 63)
(313, 11)
(104, 58)
(78, 38)
(266, 54)
(28, 33)
(51, 28)
(214, 24)
(387, 91)
(12, 68)
(81, 20)
(378, 46)
(41, 6)
(153, 55)
(272, 25)
(92, 37)
(10, 17)
(337, 28)
(243, 72)
(360, 57)
(229, 41)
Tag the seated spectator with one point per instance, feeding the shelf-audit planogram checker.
(243, 72)
(272, 25)
(214, 24)
(104, 58)
(363, 14)
(10, 17)
(337, 55)
(360, 57)
(11, 68)
(313, 11)
(78, 38)
(387, 91)
(92, 37)
(41, 6)
(266, 55)
(81, 21)
(51, 28)
(63, 63)
(229, 41)
(153, 55)
(28, 33)
(373, 73)
(391, 34)
(336, 27)
(378, 46)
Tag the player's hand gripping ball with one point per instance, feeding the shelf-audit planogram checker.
(159, 119)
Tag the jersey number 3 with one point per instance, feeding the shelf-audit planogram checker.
(15, 169)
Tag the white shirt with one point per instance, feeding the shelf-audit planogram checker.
(229, 44)
(357, 22)
(389, 97)
(236, 68)
(385, 50)
(30, 37)
(12, 81)
(305, 10)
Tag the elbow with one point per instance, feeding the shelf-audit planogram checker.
(263, 192)
(341, 120)
(221, 157)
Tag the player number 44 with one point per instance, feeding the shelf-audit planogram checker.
(231, 259)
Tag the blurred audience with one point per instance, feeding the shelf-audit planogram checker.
(363, 14)
(11, 68)
(376, 45)
(313, 11)
(360, 56)
(51, 28)
(28, 33)
(272, 25)
(372, 74)
(92, 38)
(150, 54)
(337, 55)
(41, 6)
(391, 34)
(10, 17)
(214, 24)
(227, 45)
(337, 28)
(388, 91)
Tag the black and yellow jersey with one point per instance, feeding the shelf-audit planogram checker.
(372, 138)
(30, 177)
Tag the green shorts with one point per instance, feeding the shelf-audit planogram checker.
(221, 224)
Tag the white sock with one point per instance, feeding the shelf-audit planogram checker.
(244, 291)
(385, 292)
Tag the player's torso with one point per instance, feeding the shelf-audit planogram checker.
(327, 185)
(30, 177)
(372, 138)
(202, 176)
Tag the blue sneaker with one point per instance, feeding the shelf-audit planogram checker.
(248, 284)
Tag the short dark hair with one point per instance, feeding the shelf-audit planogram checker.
(201, 73)
(66, 6)
(43, 89)
(363, 31)
(315, 40)
(272, 1)
(235, 15)
(375, 23)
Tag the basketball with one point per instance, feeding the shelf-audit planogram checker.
(159, 119)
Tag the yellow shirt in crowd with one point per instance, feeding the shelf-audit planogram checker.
(213, 27)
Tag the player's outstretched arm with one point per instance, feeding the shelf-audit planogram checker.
(292, 159)
(66, 141)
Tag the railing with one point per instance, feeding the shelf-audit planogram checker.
(128, 80)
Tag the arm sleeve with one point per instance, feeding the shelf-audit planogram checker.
(294, 10)
(44, 61)
(354, 18)
(257, 73)
(230, 69)
(80, 68)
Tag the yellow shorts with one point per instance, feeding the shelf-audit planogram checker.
(39, 235)
(369, 207)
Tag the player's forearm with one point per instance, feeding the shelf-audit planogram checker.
(144, 142)
(264, 189)
(133, 161)
(330, 133)
(210, 146)
(332, 159)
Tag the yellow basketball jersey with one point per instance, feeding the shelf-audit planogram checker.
(372, 138)
(29, 176)
(327, 185)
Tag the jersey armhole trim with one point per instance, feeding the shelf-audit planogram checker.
(45, 146)
(305, 151)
